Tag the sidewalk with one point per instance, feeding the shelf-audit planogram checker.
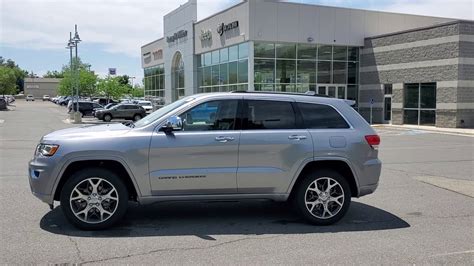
(464, 131)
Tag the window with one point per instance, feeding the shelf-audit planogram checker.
(264, 50)
(339, 72)
(318, 116)
(307, 51)
(324, 72)
(215, 57)
(325, 52)
(420, 104)
(306, 71)
(264, 70)
(387, 89)
(224, 55)
(285, 51)
(232, 72)
(243, 71)
(285, 71)
(243, 50)
(340, 53)
(269, 115)
(233, 53)
(214, 115)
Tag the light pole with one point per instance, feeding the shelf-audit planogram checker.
(70, 46)
(77, 40)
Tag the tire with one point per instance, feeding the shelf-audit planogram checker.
(311, 205)
(89, 210)
(107, 117)
(137, 117)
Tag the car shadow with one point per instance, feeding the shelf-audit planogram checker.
(204, 219)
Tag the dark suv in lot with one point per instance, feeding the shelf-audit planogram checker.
(316, 152)
(85, 108)
(124, 111)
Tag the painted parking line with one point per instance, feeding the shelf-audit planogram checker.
(464, 187)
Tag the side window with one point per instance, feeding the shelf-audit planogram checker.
(95, 105)
(214, 115)
(319, 116)
(269, 115)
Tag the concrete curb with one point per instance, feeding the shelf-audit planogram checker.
(464, 131)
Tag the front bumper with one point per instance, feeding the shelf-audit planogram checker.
(40, 176)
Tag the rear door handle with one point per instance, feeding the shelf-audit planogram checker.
(224, 139)
(296, 137)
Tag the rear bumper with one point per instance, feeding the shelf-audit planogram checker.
(369, 177)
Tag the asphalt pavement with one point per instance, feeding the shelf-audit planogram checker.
(420, 214)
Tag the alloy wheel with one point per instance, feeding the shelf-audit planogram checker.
(94, 200)
(324, 198)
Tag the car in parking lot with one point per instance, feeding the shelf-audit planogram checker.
(45, 98)
(108, 106)
(30, 97)
(85, 108)
(316, 152)
(146, 105)
(121, 111)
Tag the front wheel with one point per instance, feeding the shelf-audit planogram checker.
(94, 199)
(323, 197)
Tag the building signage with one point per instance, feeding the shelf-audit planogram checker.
(158, 54)
(147, 58)
(227, 27)
(32, 86)
(178, 35)
(112, 71)
(206, 35)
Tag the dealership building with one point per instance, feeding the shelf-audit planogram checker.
(399, 68)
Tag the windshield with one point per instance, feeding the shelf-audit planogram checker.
(162, 111)
(108, 106)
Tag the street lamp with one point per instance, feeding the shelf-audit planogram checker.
(76, 40)
(70, 46)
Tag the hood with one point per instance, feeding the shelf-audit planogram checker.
(94, 131)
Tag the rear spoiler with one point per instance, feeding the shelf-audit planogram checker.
(350, 102)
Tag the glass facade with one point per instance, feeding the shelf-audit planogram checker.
(307, 67)
(223, 70)
(154, 79)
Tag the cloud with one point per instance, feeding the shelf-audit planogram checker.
(117, 25)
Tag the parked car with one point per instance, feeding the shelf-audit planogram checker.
(108, 106)
(146, 105)
(313, 151)
(85, 108)
(64, 101)
(104, 101)
(45, 98)
(124, 111)
(3, 104)
(8, 98)
(30, 97)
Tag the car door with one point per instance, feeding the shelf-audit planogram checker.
(202, 158)
(272, 146)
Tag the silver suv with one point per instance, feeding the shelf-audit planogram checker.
(316, 152)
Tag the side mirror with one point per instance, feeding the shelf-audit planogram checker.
(174, 123)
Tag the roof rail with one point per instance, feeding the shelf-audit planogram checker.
(308, 93)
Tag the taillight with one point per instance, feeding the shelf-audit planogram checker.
(373, 141)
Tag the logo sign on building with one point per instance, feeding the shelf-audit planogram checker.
(158, 54)
(112, 71)
(32, 86)
(147, 58)
(227, 27)
(178, 35)
(206, 35)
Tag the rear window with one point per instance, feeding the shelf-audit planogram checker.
(319, 116)
(269, 115)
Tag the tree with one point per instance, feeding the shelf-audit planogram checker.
(82, 77)
(18, 72)
(136, 91)
(7, 80)
(124, 80)
(110, 87)
(54, 74)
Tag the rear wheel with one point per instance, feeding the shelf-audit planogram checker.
(323, 197)
(107, 118)
(137, 117)
(94, 199)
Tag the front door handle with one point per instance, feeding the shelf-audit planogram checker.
(296, 137)
(224, 139)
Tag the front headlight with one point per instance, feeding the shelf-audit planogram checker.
(47, 149)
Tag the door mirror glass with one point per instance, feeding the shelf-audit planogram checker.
(174, 123)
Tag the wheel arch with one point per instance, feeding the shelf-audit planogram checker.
(115, 165)
(340, 165)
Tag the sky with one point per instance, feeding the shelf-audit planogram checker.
(34, 33)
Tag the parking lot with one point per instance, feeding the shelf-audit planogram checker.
(422, 212)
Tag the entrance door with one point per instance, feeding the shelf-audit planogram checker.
(387, 107)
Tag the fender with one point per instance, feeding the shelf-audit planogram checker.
(315, 159)
(77, 158)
